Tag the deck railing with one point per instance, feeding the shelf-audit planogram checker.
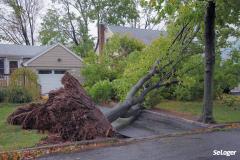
(4, 80)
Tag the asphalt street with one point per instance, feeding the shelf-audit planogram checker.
(188, 147)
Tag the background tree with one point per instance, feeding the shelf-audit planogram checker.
(118, 12)
(79, 14)
(226, 27)
(68, 23)
(147, 18)
(18, 21)
(54, 28)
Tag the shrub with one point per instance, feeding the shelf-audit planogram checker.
(25, 79)
(231, 101)
(121, 88)
(2, 94)
(19, 95)
(94, 73)
(121, 46)
(110, 64)
(183, 94)
(153, 98)
(102, 91)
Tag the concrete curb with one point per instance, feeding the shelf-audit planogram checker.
(32, 153)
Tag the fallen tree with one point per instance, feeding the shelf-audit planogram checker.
(72, 114)
(69, 112)
(163, 71)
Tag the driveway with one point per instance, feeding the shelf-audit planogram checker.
(189, 147)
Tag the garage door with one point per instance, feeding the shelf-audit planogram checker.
(50, 80)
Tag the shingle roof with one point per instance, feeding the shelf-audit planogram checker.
(21, 50)
(144, 35)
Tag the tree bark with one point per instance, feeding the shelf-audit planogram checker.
(209, 35)
(97, 44)
(73, 31)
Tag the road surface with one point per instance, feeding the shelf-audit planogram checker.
(188, 147)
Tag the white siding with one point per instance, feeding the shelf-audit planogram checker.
(56, 57)
(6, 66)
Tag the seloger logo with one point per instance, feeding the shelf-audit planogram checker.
(224, 153)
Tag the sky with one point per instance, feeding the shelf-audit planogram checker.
(47, 4)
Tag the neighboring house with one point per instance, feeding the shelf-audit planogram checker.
(144, 35)
(49, 62)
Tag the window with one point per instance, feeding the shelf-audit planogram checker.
(13, 65)
(59, 71)
(45, 72)
(1, 66)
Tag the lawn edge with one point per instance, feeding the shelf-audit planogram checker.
(71, 147)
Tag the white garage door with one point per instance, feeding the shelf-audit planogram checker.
(50, 80)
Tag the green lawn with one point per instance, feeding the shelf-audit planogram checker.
(222, 113)
(13, 137)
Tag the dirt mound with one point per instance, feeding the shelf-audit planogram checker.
(69, 112)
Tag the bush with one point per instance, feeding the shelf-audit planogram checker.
(94, 73)
(26, 80)
(183, 94)
(102, 91)
(110, 64)
(121, 46)
(2, 94)
(19, 95)
(153, 98)
(231, 101)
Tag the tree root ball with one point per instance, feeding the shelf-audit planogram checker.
(69, 112)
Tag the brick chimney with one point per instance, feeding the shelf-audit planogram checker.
(101, 38)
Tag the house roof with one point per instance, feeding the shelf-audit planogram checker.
(48, 49)
(145, 35)
(21, 50)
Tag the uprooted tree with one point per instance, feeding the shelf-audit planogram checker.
(71, 114)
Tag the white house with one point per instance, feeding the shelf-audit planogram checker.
(49, 62)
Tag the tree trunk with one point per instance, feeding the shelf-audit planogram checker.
(209, 35)
(97, 44)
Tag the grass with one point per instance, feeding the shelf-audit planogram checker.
(13, 137)
(221, 112)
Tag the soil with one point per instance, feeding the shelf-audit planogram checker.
(69, 113)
